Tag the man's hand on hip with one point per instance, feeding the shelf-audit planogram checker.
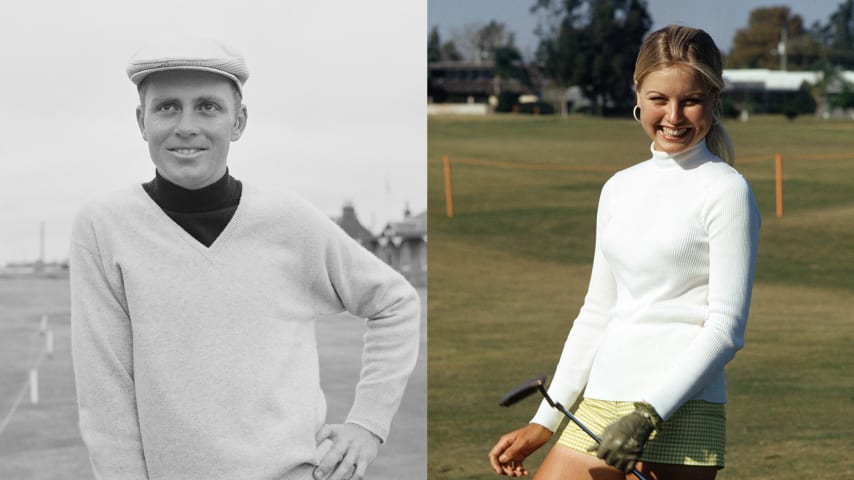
(353, 449)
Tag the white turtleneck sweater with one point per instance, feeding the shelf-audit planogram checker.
(669, 293)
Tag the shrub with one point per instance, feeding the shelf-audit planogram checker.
(539, 108)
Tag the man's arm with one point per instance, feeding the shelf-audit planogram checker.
(103, 362)
(370, 289)
(389, 354)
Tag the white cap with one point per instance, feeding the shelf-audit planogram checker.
(189, 54)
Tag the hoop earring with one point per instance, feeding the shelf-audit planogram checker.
(636, 113)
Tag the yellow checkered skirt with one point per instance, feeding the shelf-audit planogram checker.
(694, 435)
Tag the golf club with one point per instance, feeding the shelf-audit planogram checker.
(525, 390)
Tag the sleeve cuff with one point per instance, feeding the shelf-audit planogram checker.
(548, 416)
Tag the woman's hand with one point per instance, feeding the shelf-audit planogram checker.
(622, 442)
(513, 448)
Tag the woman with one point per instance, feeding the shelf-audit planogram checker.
(669, 294)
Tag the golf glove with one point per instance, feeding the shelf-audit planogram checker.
(622, 441)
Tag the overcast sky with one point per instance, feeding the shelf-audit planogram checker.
(721, 18)
(335, 99)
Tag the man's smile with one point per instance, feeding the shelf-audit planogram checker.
(186, 151)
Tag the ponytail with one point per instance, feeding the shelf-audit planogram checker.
(719, 142)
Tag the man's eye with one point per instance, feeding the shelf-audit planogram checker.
(209, 107)
(167, 107)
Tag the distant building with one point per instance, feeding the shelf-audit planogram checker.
(37, 268)
(765, 90)
(462, 82)
(403, 245)
(350, 224)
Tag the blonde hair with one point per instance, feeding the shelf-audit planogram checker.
(694, 48)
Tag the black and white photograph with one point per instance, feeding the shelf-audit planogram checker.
(214, 240)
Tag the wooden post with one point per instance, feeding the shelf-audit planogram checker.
(449, 196)
(48, 342)
(778, 174)
(34, 386)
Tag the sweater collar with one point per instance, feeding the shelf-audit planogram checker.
(686, 159)
(176, 198)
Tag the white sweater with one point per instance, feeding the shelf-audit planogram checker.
(669, 293)
(201, 363)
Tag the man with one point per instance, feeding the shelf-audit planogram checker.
(194, 299)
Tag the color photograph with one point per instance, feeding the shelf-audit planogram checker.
(691, 318)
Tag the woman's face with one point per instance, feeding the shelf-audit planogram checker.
(676, 108)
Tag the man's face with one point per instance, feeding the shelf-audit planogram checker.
(189, 118)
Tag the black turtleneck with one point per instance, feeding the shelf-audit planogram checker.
(203, 213)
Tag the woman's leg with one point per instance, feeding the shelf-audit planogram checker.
(664, 471)
(564, 463)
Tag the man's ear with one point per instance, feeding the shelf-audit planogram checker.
(140, 120)
(239, 123)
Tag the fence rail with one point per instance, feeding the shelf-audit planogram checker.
(32, 382)
(777, 158)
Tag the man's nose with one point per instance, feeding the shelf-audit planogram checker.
(186, 124)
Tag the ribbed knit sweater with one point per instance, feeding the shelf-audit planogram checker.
(669, 293)
(197, 362)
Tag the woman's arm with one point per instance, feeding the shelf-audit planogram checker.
(576, 360)
(732, 222)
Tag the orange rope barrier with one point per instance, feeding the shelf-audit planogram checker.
(818, 156)
(604, 168)
(778, 170)
(536, 166)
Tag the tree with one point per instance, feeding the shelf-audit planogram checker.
(829, 76)
(837, 36)
(450, 52)
(592, 44)
(494, 43)
(438, 51)
(774, 38)
(508, 62)
(434, 46)
(800, 102)
(845, 98)
(508, 65)
(477, 42)
(492, 37)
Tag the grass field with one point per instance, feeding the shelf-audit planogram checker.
(42, 442)
(509, 272)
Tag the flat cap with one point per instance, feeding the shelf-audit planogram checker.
(188, 54)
